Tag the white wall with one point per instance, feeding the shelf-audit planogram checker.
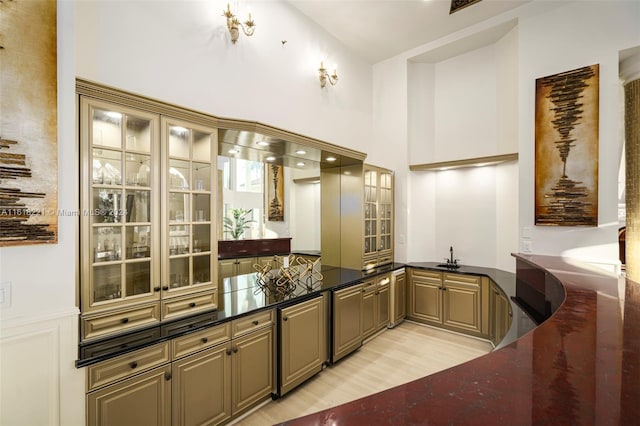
(549, 38)
(39, 335)
(572, 36)
(180, 52)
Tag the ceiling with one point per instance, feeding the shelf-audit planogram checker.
(379, 29)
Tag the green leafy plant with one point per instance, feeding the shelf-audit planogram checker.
(238, 223)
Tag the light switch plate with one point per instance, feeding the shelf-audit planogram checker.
(527, 246)
(5, 294)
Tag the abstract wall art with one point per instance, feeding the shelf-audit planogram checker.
(566, 148)
(28, 123)
(275, 197)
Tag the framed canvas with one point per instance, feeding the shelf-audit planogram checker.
(275, 199)
(566, 148)
(28, 123)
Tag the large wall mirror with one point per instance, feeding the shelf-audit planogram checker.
(269, 188)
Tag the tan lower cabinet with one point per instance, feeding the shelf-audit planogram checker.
(347, 321)
(375, 305)
(369, 322)
(302, 343)
(458, 302)
(251, 369)
(398, 302)
(134, 388)
(201, 387)
(501, 314)
(237, 266)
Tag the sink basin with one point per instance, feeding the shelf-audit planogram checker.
(448, 265)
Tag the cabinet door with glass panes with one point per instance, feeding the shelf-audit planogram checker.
(119, 209)
(190, 250)
(378, 217)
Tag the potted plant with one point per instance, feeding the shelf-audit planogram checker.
(238, 223)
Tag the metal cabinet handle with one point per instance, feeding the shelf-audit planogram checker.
(124, 320)
(167, 376)
(235, 349)
(165, 287)
(228, 351)
(255, 322)
(133, 364)
(285, 318)
(156, 289)
(192, 304)
(205, 340)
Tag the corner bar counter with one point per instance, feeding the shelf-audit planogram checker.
(580, 366)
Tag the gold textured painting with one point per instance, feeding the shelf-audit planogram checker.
(566, 143)
(275, 182)
(28, 122)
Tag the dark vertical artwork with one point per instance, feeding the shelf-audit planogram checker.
(276, 192)
(566, 148)
(457, 5)
(28, 123)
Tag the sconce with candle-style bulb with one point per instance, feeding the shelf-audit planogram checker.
(248, 27)
(324, 75)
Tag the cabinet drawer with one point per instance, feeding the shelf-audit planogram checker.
(201, 340)
(461, 279)
(100, 325)
(189, 305)
(249, 323)
(383, 279)
(127, 365)
(423, 274)
(383, 259)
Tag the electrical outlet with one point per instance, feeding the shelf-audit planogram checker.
(527, 246)
(5, 294)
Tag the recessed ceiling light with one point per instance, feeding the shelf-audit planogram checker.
(301, 152)
(330, 158)
(262, 143)
(300, 164)
(270, 158)
(233, 151)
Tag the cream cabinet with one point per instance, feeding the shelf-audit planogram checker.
(501, 314)
(347, 324)
(238, 266)
(134, 388)
(147, 228)
(375, 305)
(357, 200)
(398, 294)
(458, 302)
(377, 244)
(302, 343)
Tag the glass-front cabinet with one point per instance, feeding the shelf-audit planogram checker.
(377, 245)
(146, 217)
(120, 220)
(190, 244)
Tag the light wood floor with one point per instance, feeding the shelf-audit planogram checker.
(405, 353)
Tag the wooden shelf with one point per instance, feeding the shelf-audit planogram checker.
(467, 162)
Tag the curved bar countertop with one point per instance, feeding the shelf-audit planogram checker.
(579, 367)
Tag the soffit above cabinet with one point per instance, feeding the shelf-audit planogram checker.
(466, 162)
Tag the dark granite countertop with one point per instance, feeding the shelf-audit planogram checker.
(237, 296)
(579, 367)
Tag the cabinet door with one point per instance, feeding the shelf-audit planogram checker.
(400, 298)
(426, 296)
(385, 216)
(462, 302)
(141, 400)
(369, 309)
(251, 369)
(120, 206)
(190, 248)
(347, 321)
(382, 306)
(202, 387)
(227, 268)
(500, 314)
(245, 265)
(302, 347)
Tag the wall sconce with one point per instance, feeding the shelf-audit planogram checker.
(232, 24)
(324, 75)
